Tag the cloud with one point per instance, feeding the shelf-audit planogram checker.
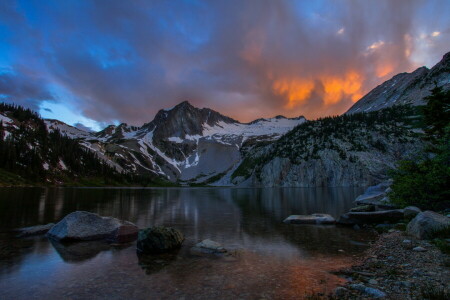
(126, 60)
(26, 89)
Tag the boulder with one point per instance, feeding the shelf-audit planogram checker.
(411, 212)
(377, 196)
(427, 225)
(87, 226)
(363, 208)
(34, 230)
(320, 219)
(382, 216)
(161, 239)
(373, 194)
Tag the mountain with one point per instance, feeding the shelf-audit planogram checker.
(183, 143)
(349, 150)
(355, 149)
(406, 88)
(35, 151)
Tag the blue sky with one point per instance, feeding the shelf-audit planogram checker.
(102, 62)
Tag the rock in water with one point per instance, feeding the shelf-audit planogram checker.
(87, 226)
(161, 239)
(310, 219)
(427, 225)
(35, 230)
(209, 247)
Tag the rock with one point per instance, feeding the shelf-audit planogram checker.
(388, 190)
(368, 291)
(363, 208)
(411, 211)
(427, 225)
(407, 244)
(87, 226)
(320, 219)
(34, 230)
(340, 291)
(376, 195)
(208, 247)
(373, 282)
(356, 227)
(419, 249)
(161, 239)
(352, 218)
(372, 193)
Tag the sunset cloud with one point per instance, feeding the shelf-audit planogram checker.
(123, 61)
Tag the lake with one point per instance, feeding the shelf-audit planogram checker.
(270, 259)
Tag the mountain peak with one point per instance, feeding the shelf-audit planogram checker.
(406, 88)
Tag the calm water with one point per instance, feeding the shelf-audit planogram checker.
(270, 259)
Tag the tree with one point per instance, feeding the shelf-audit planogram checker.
(436, 114)
(426, 182)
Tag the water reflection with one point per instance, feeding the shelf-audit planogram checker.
(247, 221)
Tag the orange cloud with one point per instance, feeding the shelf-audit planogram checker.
(384, 70)
(337, 87)
(295, 90)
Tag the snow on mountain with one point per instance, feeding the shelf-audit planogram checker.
(66, 129)
(181, 143)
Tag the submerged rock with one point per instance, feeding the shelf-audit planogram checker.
(87, 226)
(34, 230)
(320, 219)
(382, 216)
(161, 239)
(208, 247)
(427, 225)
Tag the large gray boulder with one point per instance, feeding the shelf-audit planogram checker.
(319, 219)
(87, 226)
(382, 216)
(161, 239)
(427, 225)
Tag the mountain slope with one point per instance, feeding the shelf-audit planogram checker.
(41, 156)
(406, 88)
(348, 150)
(182, 143)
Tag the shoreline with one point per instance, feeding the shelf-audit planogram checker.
(396, 268)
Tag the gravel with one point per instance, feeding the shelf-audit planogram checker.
(397, 271)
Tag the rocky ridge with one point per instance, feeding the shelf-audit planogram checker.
(182, 143)
(348, 150)
(406, 88)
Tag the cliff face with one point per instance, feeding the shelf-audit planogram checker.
(406, 88)
(349, 150)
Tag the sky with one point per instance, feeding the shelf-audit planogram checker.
(91, 62)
